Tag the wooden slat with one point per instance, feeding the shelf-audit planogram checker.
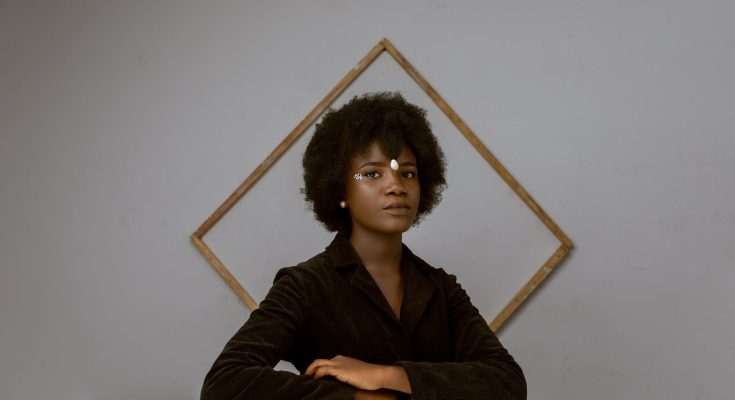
(289, 140)
(224, 272)
(477, 143)
(529, 287)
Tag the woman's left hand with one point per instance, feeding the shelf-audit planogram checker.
(352, 371)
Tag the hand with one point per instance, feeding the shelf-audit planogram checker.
(375, 395)
(354, 372)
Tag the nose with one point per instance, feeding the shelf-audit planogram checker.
(395, 186)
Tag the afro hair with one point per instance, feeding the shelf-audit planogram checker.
(385, 118)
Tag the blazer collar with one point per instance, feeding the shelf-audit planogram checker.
(418, 289)
(341, 252)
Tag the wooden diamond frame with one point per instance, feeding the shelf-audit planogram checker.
(384, 45)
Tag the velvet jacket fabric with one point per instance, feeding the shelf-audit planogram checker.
(330, 305)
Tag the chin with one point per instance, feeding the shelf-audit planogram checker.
(397, 229)
(388, 227)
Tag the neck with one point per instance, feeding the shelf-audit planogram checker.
(379, 253)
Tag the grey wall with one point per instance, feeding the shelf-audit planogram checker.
(124, 124)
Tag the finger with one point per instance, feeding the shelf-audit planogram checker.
(322, 372)
(316, 364)
(313, 366)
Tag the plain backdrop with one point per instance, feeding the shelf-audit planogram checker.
(123, 125)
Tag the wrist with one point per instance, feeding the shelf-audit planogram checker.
(385, 373)
(394, 377)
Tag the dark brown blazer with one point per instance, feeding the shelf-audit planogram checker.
(330, 305)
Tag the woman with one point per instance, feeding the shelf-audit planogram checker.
(366, 318)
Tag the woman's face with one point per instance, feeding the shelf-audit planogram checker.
(379, 198)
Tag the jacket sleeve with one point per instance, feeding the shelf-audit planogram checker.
(482, 368)
(244, 369)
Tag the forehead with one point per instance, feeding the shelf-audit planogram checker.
(374, 153)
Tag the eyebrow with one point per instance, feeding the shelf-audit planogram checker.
(383, 164)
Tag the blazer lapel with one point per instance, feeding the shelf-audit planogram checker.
(362, 280)
(344, 257)
(417, 292)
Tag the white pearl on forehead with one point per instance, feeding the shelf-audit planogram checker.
(394, 164)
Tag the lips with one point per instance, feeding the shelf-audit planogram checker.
(397, 205)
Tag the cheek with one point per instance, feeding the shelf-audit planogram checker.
(366, 193)
(416, 188)
(357, 194)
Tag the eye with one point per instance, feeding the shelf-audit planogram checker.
(409, 174)
(370, 176)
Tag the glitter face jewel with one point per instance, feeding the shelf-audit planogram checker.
(394, 164)
(358, 176)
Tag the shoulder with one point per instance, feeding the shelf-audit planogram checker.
(298, 283)
(315, 271)
(446, 284)
(337, 255)
(437, 275)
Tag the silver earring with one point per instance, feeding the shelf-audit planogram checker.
(343, 204)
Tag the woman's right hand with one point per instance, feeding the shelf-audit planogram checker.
(375, 395)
